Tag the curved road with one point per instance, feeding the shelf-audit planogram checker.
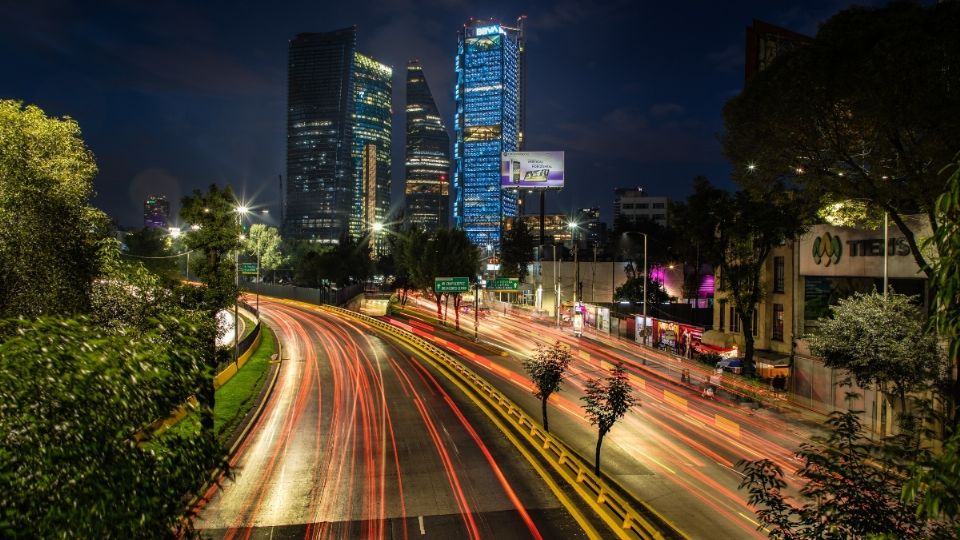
(359, 440)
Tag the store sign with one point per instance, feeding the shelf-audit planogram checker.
(487, 30)
(841, 251)
(827, 249)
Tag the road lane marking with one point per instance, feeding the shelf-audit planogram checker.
(676, 400)
(729, 426)
(422, 530)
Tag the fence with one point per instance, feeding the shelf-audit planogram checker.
(327, 295)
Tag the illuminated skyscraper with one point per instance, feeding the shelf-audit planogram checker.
(487, 122)
(320, 166)
(338, 107)
(427, 156)
(156, 212)
(372, 126)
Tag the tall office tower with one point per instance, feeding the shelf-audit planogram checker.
(372, 126)
(320, 107)
(156, 212)
(487, 123)
(338, 109)
(427, 156)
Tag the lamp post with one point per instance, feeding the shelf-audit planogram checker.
(644, 287)
(241, 210)
(576, 262)
(556, 282)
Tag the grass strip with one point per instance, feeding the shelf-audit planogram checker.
(234, 399)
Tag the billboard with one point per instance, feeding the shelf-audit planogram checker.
(531, 170)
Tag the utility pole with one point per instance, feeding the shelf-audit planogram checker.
(593, 276)
(476, 311)
(644, 288)
(556, 282)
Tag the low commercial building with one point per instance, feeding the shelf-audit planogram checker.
(801, 280)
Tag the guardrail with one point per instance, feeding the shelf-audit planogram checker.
(612, 507)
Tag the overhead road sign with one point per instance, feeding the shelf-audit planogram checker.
(451, 284)
(504, 284)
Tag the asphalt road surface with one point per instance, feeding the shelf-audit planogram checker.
(677, 451)
(361, 440)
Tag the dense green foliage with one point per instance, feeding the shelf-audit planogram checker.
(345, 263)
(153, 248)
(516, 251)
(217, 236)
(605, 402)
(264, 243)
(852, 489)
(869, 110)
(881, 342)
(632, 290)
(546, 368)
(48, 230)
(73, 398)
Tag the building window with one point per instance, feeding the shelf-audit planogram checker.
(659, 217)
(643, 205)
(723, 314)
(734, 320)
(658, 205)
(778, 274)
(777, 322)
(627, 206)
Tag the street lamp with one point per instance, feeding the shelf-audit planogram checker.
(241, 210)
(644, 288)
(576, 262)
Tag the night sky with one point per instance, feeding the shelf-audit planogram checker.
(173, 96)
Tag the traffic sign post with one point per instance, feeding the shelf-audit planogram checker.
(248, 268)
(451, 284)
(504, 284)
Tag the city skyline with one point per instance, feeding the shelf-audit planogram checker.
(214, 96)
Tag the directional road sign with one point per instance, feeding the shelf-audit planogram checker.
(248, 268)
(504, 284)
(451, 284)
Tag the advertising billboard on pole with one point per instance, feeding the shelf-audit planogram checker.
(531, 170)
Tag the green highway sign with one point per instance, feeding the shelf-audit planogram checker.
(248, 268)
(451, 284)
(504, 284)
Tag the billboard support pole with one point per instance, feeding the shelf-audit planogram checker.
(543, 192)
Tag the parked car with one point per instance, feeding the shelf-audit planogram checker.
(733, 365)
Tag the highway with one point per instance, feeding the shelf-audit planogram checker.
(361, 440)
(678, 451)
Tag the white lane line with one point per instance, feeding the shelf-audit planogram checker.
(422, 530)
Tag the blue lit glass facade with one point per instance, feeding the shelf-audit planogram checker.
(486, 123)
(372, 125)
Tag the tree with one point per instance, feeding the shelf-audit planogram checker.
(73, 397)
(881, 342)
(851, 489)
(516, 251)
(748, 226)
(48, 229)
(869, 110)
(264, 242)
(695, 224)
(152, 248)
(935, 485)
(546, 368)
(632, 290)
(218, 234)
(448, 253)
(605, 402)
